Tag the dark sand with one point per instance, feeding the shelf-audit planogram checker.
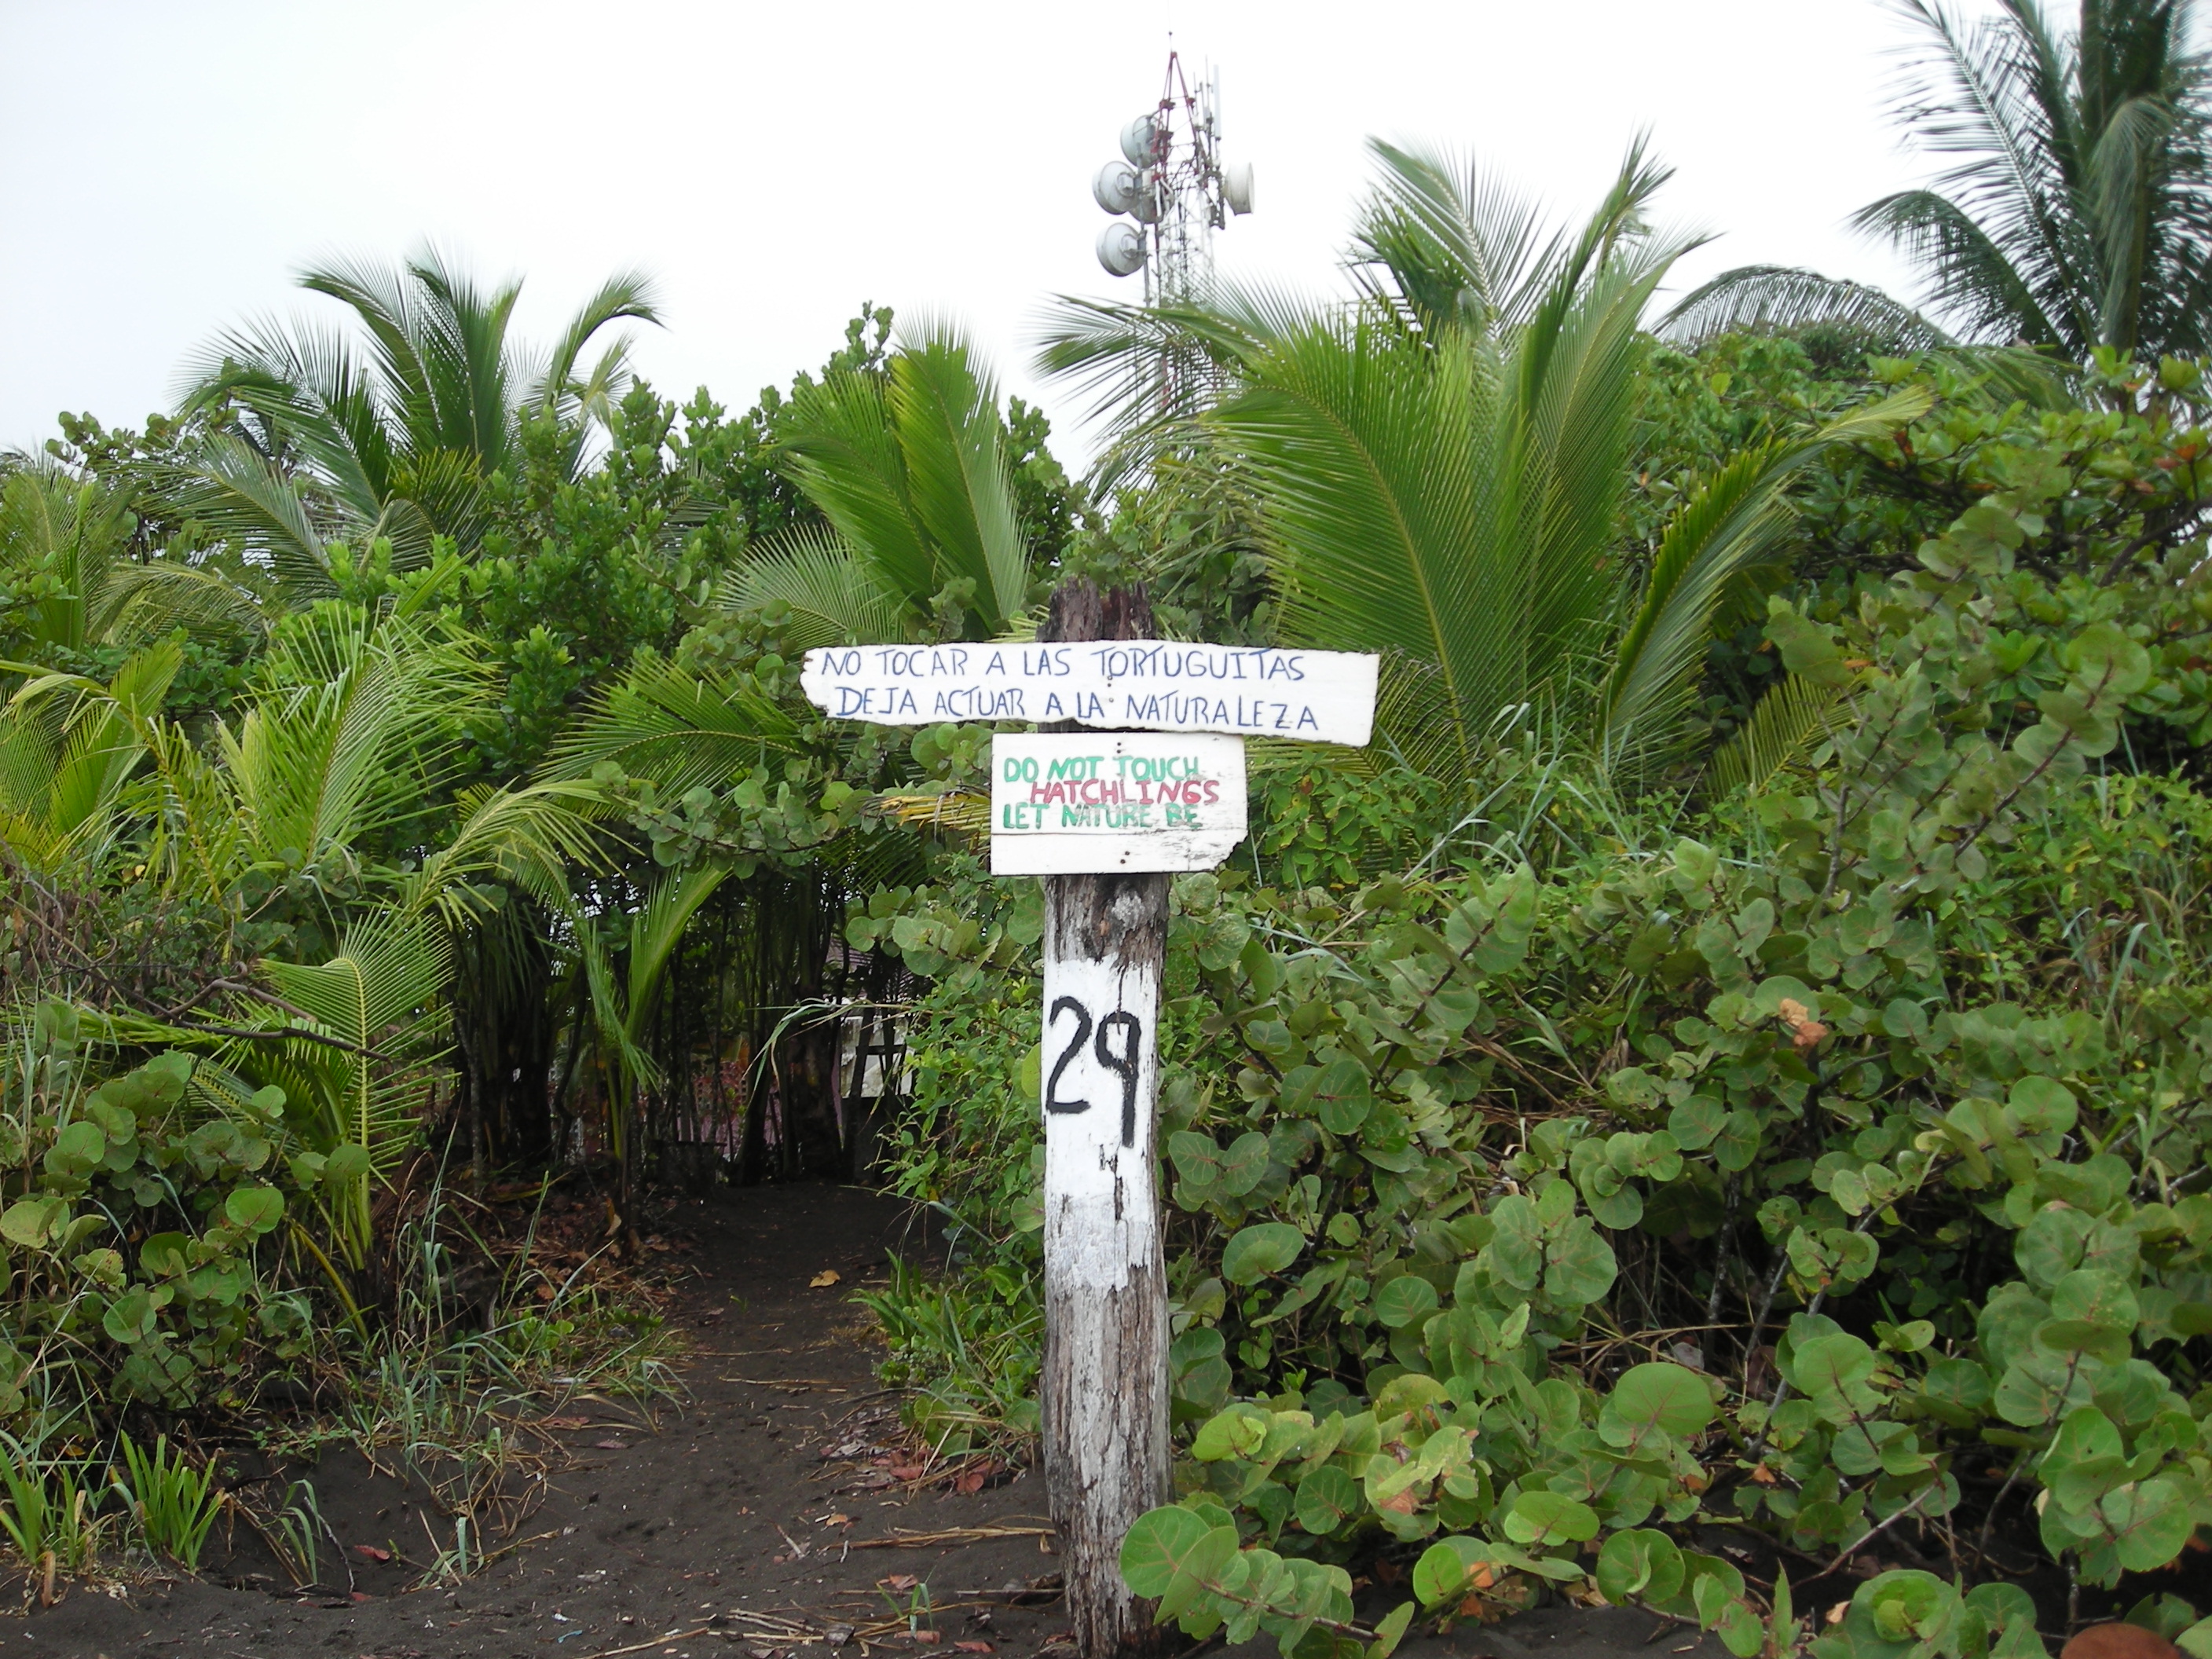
(721, 1527)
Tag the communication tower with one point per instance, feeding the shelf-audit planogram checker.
(1170, 191)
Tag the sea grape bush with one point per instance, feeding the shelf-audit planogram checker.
(1872, 1097)
(139, 1216)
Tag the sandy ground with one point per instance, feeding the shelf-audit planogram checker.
(773, 1512)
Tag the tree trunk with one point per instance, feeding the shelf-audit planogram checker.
(1104, 1393)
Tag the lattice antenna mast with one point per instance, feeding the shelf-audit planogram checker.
(1170, 191)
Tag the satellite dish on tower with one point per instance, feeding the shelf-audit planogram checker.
(1175, 187)
(1117, 188)
(1237, 187)
(1121, 248)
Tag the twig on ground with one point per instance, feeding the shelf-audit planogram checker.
(1873, 1533)
(651, 1642)
(915, 1541)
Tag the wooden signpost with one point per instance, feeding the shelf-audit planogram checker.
(1105, 816)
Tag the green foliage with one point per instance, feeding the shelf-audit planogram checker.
(968, 1346)
(49, 1514)
(173, 1502)
(1881, 1071)
(2067, 217)
(138, 1226)
(309, 440)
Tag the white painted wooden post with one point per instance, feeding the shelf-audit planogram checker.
(1105, 1382)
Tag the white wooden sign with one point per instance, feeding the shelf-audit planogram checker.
(1065, 803)
(1150, 685)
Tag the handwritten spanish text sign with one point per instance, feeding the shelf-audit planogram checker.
(1064, 803)
(1317, 696)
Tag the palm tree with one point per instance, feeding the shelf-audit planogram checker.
(2076, 214)
(1441, 468)
(291, 815)
(910, 468)
(65, 549)
(315, 439)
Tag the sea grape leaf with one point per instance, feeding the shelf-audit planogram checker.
(1541, 1517)
(1327, 1498)
(1257, 1251)
(1640, 1565)
(1405, 1299)
(1173, 1555)
(1444, 1566)
(1579, 1265)
(1672, 1399)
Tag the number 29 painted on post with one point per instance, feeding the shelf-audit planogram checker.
(1124, 1065)
(1099, 1065)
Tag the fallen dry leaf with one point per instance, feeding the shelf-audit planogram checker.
(973, 1647)
(927, 1637)
(898, 1581)
(372, 1552)
(1805, 1031)
(970, 1483)
(611, 1445)
(823, 1280)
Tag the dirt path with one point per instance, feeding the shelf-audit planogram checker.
(722, 1526)
(753, 1517)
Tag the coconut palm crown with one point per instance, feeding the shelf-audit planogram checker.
(2074, 214)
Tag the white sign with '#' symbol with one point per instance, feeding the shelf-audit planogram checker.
(1104, 802)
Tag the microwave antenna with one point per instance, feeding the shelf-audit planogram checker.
(1169, 189)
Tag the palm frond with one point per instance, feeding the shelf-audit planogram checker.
(953, 445)
(530, 838)
(339, 746)
(628, 295)
(252, 503)
(679, 729)
(146, 602)
(656, 929)
(69, 748)
(1454, 245)
(841, 446)
(960, 811)
(831, 596)
(1971, 275)
(1147, 373)
(1781, 299)
(1783, 724)
(376, 995)
(1728, 522)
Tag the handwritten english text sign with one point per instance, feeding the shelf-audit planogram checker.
(1065, 803)
(1150, 685)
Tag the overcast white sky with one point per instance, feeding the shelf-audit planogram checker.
(773, 166)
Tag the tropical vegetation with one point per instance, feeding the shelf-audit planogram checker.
(1706, 1111)
(2073, 220)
